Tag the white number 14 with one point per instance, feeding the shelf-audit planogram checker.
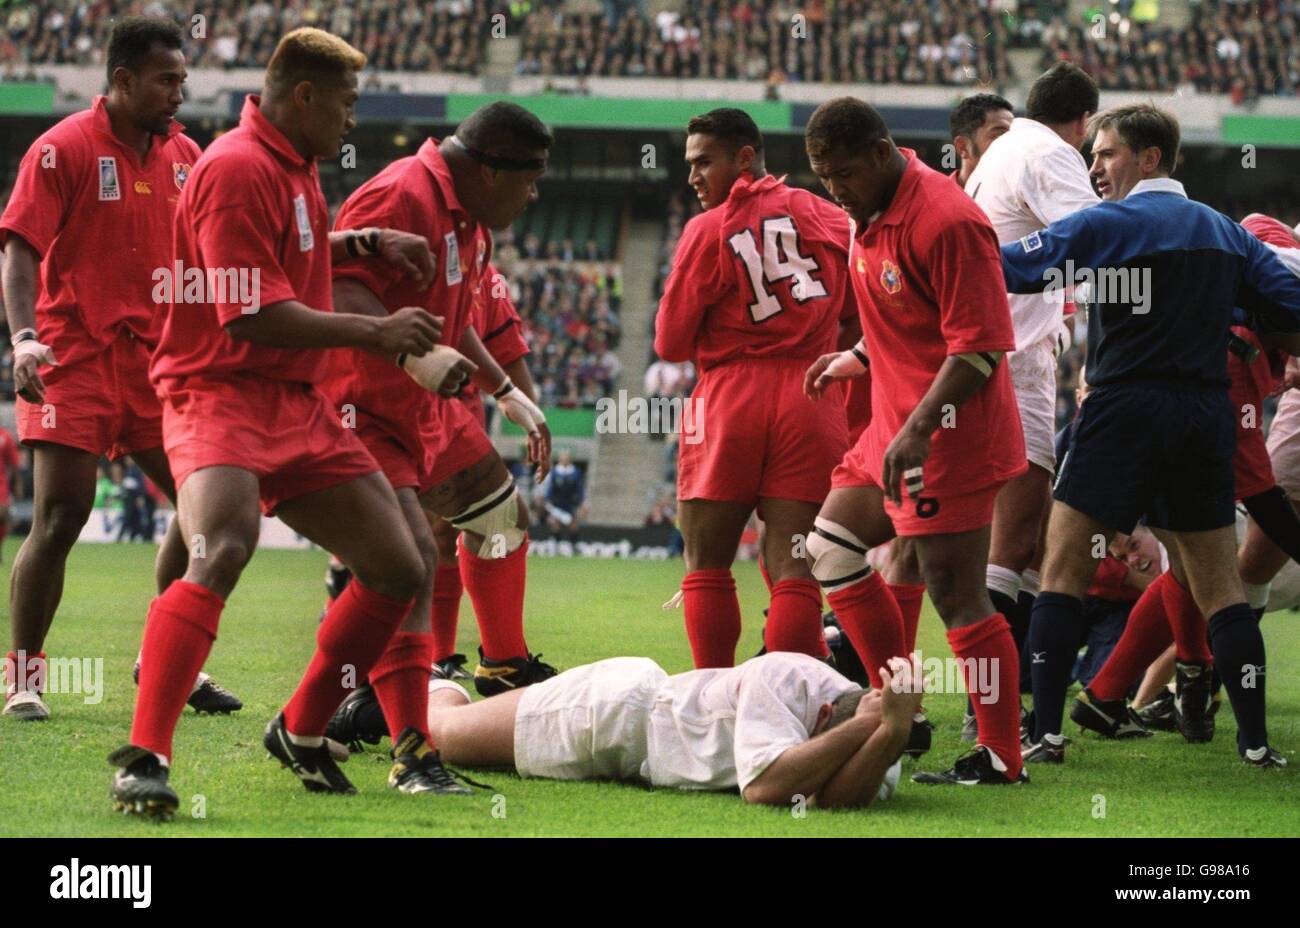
(781, 259)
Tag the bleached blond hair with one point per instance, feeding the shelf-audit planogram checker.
(314, 55)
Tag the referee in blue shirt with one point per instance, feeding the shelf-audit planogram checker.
(1164, 276)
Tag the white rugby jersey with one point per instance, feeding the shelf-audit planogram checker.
(1027, 179)
(718, 729)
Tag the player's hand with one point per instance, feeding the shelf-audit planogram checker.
(903, 461)
(28, 358)
(410, 252)
(900, 692)
(526, 414)
(839, 365)
(443, 370)
(410, 330)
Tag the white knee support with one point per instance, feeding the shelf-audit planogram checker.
(494, 517)
(839, 558)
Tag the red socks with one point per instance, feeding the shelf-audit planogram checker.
(712, 617)
(871, 618)
(794, 621)
(988, 652)
(909, 598)
(178, 634)
(1145, 638)
(1191, 635)
(33, 675)
(401, 682)
(447, 587)
(349, 642)
(496, 588)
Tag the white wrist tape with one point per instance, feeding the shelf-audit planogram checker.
(430, 370)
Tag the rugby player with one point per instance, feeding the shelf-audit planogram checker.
(93, 202)
(244, 422)
(756, 293)
(944, 433)
(777, 727)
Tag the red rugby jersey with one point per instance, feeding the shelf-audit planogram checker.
(760, 276)
(253, 204)
(928, 278)
(414, 194)
(101, 220)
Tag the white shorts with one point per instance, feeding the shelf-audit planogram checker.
(1283, 443)
(588, 723)
(1033, 376)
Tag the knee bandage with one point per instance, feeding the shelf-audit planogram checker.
(839, 558)
(494, 517)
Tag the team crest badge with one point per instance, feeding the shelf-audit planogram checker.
(109, 188)
(891, 278)
(180, 174)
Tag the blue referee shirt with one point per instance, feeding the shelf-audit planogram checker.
(1162, 275)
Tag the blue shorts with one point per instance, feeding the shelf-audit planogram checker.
(1163, 451)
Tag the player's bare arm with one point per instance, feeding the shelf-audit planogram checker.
(21, 271)
(514, 404)
(519, 374)
(835, 367)
(858, 781)
(957, 381)
(290, 324)
(406, 250)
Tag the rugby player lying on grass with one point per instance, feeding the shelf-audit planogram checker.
(777, 727)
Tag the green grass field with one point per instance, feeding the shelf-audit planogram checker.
(56, 777)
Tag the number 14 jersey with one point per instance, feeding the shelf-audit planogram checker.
(763, 275)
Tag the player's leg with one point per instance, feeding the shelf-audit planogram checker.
(908, 586)
(473, 734)
(63, 493)
(1017, 522)
(850, 523)
(954, 566)
(1101, 707)
(362, 522)
(794, 620)
(1235, 638)
(170, 564)
(448, 587)
(711, 531)
(1258, 562)
(218, 509)
(173, 554)
(482, 502)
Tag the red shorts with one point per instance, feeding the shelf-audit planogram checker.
(752, 433)
(104, 404)
(935, 513)
(1252, 471)
(456, 441)
(284, 432)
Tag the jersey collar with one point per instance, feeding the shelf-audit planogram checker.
(431, 157)
(893, 214)
(104, 125)
(1158, 185)
(257, 123)
(746, 185)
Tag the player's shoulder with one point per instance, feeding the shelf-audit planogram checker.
(181, 145)
(69, 138)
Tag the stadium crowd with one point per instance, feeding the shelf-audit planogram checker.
(1247, 50)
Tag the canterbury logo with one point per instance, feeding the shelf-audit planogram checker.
(142, 186)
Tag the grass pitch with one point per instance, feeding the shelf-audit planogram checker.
(56, 776)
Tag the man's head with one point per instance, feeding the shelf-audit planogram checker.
(496, 158)
(1141, 550)
(1131, 143)
(854, 702)
(146, 71)
(721, 145)
(850, 151)
(311, 85)
(974, 123)
(1063, 98)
